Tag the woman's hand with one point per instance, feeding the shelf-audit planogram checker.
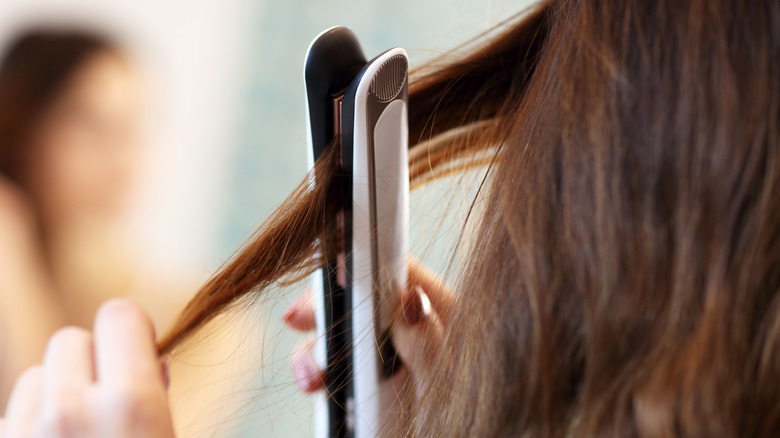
(28, 301)
(426, 305)
(110, 384)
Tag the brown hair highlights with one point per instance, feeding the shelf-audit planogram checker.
(625, 278)
(636, 229)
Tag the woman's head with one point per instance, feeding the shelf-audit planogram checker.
(625, 278)
(69, 110)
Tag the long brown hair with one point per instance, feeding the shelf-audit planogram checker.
(624, 279)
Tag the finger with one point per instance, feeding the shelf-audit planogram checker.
(300, 314)
(416, 335)
(165, 370)
(25, 403)
(124, 345)
(67, 363)
(308, 376)
(441, 296)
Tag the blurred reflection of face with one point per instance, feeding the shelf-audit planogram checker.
(85, 151)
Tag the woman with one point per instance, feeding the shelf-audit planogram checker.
(70, 127)
(625, 274)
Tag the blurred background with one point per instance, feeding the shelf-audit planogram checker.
(224, 118)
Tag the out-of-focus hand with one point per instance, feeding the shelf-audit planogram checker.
(426, 305)
(110, 384)
(29, 304)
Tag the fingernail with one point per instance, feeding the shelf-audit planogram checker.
(289, 314)
(306, 377)
(166, 372)
(416, 306)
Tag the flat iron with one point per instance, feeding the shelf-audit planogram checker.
(364, 104)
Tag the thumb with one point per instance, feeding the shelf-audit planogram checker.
(417, 334)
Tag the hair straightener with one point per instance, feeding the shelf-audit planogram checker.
(364, 104)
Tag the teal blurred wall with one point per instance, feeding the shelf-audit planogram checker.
(270, 156)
